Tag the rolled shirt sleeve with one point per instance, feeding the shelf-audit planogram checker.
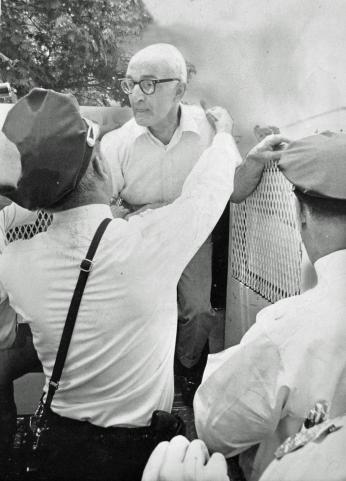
(180, 228)
(241, 399)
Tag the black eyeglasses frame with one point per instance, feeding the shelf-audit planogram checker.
(153, 80)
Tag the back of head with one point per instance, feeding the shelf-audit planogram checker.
(54, 145)
(166, 55)
(316, 166)
(323, 208)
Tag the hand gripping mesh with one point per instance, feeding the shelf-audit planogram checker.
(266, 246)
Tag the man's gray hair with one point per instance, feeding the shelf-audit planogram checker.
(167, 54)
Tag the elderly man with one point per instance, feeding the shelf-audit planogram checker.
(256, 394)
(119, 367)
(150, 157)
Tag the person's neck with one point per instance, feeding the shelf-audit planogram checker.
(320, 243)
(164, 130)
(83, 200)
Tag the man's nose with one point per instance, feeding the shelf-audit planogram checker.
(137, 93)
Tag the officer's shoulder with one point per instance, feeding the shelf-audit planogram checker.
(15, 253)
(286, 317)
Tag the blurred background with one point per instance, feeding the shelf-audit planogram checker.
(274, 62)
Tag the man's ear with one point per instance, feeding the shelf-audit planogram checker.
(99, 166)
(180, 91)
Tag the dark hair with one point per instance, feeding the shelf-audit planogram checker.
(322, 206)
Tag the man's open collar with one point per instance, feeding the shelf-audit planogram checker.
(187, 123)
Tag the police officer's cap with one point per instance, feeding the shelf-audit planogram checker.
(316, 165)
(55, 145)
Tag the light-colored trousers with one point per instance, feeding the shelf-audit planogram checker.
(196, 316)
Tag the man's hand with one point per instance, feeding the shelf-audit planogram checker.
(268, 149)
(248, 175)
(180, 460)
(218, 117)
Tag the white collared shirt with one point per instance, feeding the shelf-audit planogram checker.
(146, 171)
(120, 363)
(260, 391)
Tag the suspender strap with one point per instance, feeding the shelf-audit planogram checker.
(85, 268)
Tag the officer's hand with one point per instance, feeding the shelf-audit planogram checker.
(268, 149)
(180, 460)
(220, 119)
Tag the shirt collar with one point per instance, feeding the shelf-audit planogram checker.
(331, 266)
(187, 124)
(92, 213)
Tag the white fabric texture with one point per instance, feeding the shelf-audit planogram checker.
(260, 391)
(120, 364)
(144, 170)
(11, 216)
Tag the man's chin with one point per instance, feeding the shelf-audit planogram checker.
(143, 119)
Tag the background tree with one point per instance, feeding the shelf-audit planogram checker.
(80, 46)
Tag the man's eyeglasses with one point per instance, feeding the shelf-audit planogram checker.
(147, 86)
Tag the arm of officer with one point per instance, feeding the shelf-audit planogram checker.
(8, 318)
(242, 396)
(248, 175)
(180, 228)
(10, 216)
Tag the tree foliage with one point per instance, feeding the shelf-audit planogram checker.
(76, 45)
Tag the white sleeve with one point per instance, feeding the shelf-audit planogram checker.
(175, 232)
(8, 323)
(13, 216)
(241, 398)
(8, 319)
(112, 149)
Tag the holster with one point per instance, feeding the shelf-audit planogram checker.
(166, 425)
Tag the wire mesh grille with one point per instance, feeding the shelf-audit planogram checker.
(29, 230)
(266, 245)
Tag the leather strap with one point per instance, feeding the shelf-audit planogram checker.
(85, 268)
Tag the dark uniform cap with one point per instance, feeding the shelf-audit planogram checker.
(52, 139)
(316, 165)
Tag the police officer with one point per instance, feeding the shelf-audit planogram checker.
(119, 367)
(256, 394)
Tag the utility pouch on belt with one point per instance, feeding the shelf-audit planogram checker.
(167, 425)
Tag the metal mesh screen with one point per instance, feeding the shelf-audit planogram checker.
(266, 245)
(29, 230)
